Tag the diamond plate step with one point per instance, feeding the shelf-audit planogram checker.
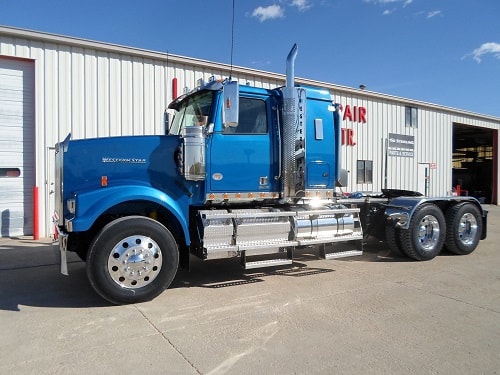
(267, 263)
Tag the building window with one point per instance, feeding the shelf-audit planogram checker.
(365, 172)
(411, 117)
(10, 172)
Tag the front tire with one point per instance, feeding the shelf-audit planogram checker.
(132, 259)
(464, 228)
(424, 238)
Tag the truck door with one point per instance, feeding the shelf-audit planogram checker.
(243, 158)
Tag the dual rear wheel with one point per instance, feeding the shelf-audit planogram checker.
(458, 230)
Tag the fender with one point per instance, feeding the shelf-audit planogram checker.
(400, 210)
(92, 204)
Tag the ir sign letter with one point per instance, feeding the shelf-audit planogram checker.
(348, 137)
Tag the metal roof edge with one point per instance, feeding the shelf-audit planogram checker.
(394, 98)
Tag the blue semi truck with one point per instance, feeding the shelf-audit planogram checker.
(242, 172)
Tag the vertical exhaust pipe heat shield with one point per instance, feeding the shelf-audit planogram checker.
(194, 153)
(289, 122)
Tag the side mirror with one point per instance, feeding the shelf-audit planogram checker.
(231, 104)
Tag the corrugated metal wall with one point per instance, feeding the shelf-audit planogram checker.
(93, 89)
(433, 138)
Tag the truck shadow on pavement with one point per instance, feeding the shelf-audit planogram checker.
(29, 274)
(224, 273)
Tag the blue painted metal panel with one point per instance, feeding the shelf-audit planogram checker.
(93, 203)
(238, 162)
(320, 150)
(139, 167)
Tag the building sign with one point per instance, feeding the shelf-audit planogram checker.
(348, 137)
(401, 145)
(353, 114)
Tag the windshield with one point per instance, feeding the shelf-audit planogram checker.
(192, 111)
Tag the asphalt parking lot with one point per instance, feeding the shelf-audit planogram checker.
(375, 314)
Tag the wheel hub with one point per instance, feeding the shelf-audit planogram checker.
(467, 229)
(428, 232)
(135, 262)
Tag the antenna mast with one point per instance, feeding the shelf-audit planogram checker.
(232, 43)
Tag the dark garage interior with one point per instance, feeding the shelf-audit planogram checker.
(475, 156)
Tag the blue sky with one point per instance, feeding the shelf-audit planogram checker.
(442, 51)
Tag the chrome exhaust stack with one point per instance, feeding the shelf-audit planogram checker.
(290, 66)
(289, 120)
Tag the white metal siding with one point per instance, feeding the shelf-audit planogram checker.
(16, 146)
(433, 143)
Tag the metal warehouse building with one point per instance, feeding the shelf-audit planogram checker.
(52, 85)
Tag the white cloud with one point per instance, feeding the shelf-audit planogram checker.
(433, 13)
(261, 62)
(302, 5)
(485, 48)
(268, 13)
(394, 3)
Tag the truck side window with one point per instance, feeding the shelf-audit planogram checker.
(252, 117)
(194, 111)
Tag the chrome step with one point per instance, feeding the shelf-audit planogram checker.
(267, 263)
(341, 250)
(343, 254)
(283, 257)
(219, 251)
(323, 240)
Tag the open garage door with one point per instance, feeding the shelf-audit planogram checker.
(474, 162)
(16, 147)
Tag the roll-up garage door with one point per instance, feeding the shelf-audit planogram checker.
(16, 147)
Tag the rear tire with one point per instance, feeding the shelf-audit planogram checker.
(132, 259)
(464, 226)
(392, 238)
(424, 238)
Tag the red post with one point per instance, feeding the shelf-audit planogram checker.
(174, 88)
(36, 233)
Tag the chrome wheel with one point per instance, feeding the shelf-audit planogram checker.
(135, 262)
(428, 232)
(467, 229)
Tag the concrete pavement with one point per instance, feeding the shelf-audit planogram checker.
(377, 314)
